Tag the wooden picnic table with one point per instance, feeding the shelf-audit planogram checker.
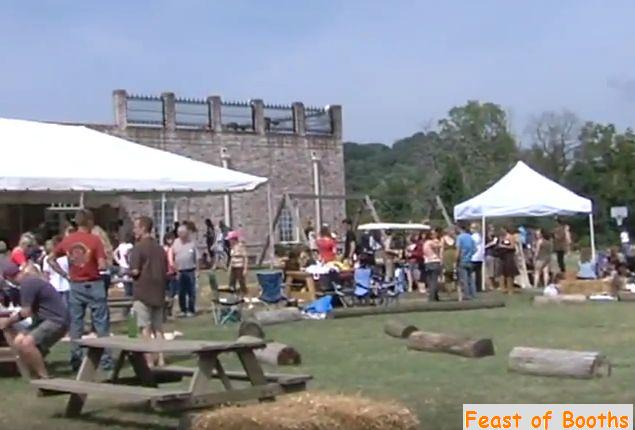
(199, 394)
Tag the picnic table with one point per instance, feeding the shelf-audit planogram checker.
(145, 385)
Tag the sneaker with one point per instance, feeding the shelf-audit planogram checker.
(189, 315)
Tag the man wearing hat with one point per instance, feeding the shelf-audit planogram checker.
(40, 300)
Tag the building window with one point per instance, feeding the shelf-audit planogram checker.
(170, 214)
(286, 229)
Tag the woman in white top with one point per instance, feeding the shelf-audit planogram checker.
(58, 282)
(121, 256)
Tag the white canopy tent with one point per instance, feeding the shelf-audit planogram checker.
(523, 192)
(49, 158)
(392, 226)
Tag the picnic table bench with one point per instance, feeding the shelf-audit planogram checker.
(199, 394)
(8, 356)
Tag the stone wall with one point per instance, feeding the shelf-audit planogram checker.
(286, 159)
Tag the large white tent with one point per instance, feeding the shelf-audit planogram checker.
(53, 157)
(44, 159)
(523, 192)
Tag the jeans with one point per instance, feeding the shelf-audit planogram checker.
(127, 288)
(467, 280)
(172, 289)
(65, 297)
(187, 290)
(90, 295)
(432, 274)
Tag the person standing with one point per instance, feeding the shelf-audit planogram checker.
(61, 284)
(210, 241)
(432, 264)
(326, 245)
(561, 242)
(350, 241)
(224, 231)
(390, 255)
(121, 256)
(86, 257)
(465, 251)
(38, 299)
(238, 263)
(543, 249)
(477, 258)
(507, 250)
(492, 262)
(185, 258)
(149, 269)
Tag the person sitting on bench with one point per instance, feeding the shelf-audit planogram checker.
(40, 300)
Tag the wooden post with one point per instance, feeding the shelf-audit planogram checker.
(558, 362)
(444, 212)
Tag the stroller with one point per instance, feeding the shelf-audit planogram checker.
(370, 287)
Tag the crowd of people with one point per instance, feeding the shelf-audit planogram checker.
(507, 257)
(53, 284)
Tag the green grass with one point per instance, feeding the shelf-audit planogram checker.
(353, 355)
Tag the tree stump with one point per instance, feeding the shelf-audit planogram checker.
(251, 328)
(396, 328)
(275, 353)
(560, 299)
(459, 345)
(558, 362)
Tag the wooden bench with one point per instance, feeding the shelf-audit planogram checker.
(289, 381)
(56, 386)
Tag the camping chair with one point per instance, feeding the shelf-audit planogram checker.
(363, 277)
(390, 291)
(271, 287)
(225, 309)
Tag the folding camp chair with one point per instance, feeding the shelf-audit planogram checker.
(390, 291)
(225, 309)
(271, 287)
(363, 278)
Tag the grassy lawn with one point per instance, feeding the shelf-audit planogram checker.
(353, 355)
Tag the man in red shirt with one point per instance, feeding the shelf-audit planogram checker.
(86, 257)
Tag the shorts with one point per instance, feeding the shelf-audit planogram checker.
(46, 334)
(148, 316)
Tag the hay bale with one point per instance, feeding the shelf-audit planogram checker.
(314, 411)
(586, 287)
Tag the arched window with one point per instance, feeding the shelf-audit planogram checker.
(286, 228)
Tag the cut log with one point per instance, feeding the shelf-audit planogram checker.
(626, 296)
(560, 299)
(558, 362)
(396, 328)
(417, 306)
(251, 328)
(276, 316)
(459, 345)
(275, 353)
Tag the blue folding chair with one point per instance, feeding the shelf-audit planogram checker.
(363, 277)
(271, 287)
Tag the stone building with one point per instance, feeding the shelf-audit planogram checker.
(294, 146)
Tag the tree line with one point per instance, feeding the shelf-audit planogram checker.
(473, 146)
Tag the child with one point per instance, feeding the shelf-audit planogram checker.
(553, 289)
(586, 266)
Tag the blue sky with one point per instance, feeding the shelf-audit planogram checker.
(395, 66)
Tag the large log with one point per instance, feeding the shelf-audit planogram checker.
(276, 316)
(417, 306)
(558, 362)
(275, 353)
(626, 296)
(459, 345)
(252, 328)
(560, 299)
(400, 329)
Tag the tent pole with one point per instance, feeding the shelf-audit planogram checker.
(272, 253)
(162, 222)
(483, 274)
(81, 200)
(592, 230)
